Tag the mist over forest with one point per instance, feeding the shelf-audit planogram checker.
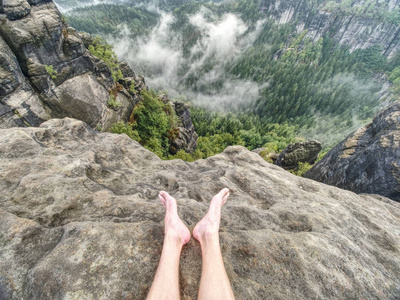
(250, 79)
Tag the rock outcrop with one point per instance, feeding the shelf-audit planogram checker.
(186, 136)
(46, 70)
(80, 219)
(355, 28)
(295, 153)
(368, 160)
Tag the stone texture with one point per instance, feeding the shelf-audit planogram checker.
(293, 154)
(81, 86)
(20, 105)
(187, 138)
(356, 32)
(15, 9)
(368, 160)
(80, 219)
(126, 70)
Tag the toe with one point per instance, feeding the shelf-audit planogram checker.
(162, 199)
(223, 195)
(170, 202)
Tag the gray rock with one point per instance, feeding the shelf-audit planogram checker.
(11, 76)
(187, 137)
(87, 39)
(20, 104)
(15, 9)
(368, 160)
(304, 152)
(354, 31)
(258, 150)
(78, 87)
(126, 69)
(85, 98)
(80, 219)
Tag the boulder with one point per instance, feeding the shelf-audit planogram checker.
(368, 160)
(15, 9)
(304, 152)
(80, 219)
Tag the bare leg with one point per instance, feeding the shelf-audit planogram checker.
(166, 280)
(214, 283)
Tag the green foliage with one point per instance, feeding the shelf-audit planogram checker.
(105, 52)
(132, 88)
(126, 128)
(303, 81)
(113, 103)
(394, 77)
(378, 10)
(301, 169)
(183, 155)
(106, 19)
(217, 131)
(154, 122)
(50, 70)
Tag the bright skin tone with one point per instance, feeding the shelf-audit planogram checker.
(214, 283)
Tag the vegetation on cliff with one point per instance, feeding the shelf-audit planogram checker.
(303, 88)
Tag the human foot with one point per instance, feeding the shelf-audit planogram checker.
(175, 230)
(208, 227)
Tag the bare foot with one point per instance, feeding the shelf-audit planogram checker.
(175, 230)
(208, 227)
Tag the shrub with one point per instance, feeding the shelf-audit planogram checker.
(126, 128)
(105, 52)
(113, 103)
(50, 70)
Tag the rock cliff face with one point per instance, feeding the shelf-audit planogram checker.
(368, 160)
(46, 71)
(355, 28)
(187, 138)
(80, 219)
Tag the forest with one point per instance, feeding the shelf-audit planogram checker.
(306, 88)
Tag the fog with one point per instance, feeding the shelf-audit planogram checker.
(365, 92)
(217, 42)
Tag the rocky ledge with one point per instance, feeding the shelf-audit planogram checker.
(368, 160)
(80, 219)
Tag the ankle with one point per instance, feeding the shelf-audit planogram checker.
(208, 238)
(173, 241)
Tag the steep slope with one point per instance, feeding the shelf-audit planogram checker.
(46, 71)
(80, 219)
(368, 160)
(357, 24)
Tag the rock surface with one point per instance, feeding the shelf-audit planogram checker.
(295, 153)
(34, 36)
(356, 30)
(368, 160)
(80, 219)
(187, 139)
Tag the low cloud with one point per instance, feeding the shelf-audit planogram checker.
(220, 40)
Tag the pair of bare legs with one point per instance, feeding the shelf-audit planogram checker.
(214, 282)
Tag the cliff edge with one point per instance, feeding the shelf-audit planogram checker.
(80, 219)
(368, 160)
